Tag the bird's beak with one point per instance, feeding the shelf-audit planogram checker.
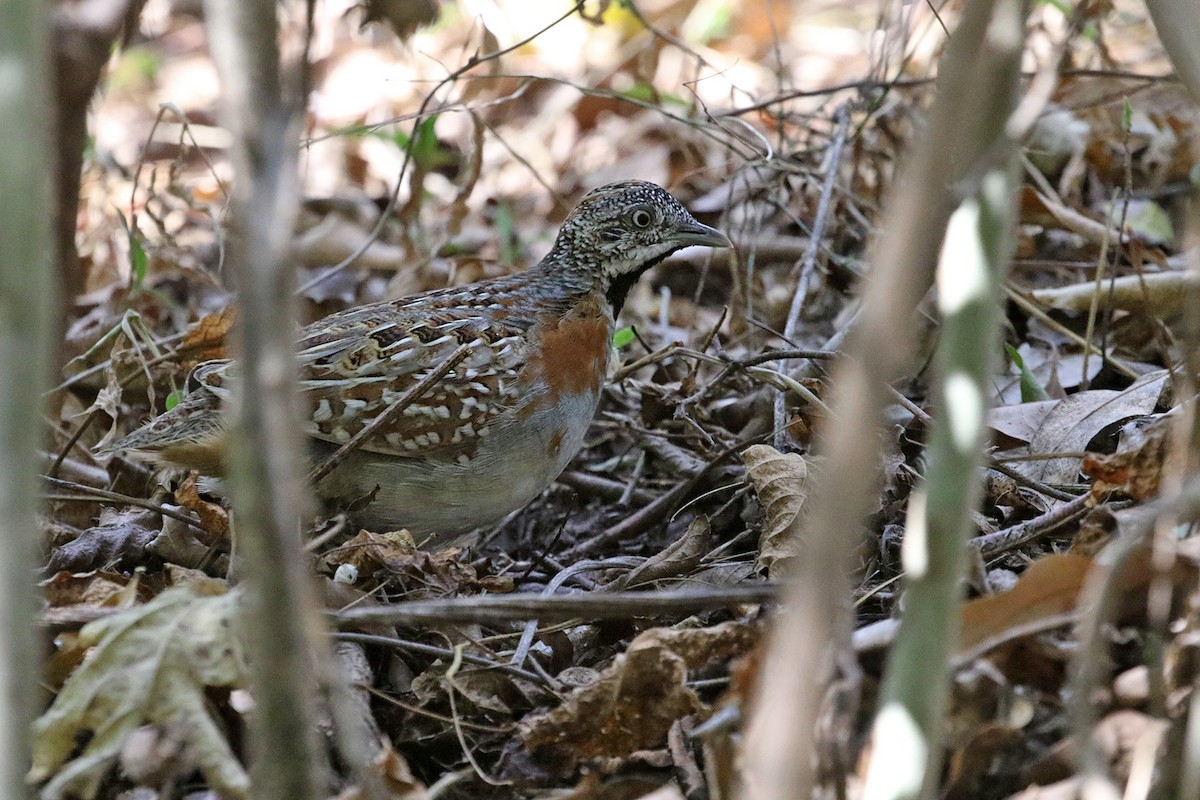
(694, 233)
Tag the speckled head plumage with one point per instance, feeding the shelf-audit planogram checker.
(620, 230)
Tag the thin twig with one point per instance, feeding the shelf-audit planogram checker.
(993, 544)
(92, 494)
(809, 262)
(422, 112)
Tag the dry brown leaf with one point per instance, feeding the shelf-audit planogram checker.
(369, 551)
(781, 482)
(1049, 591)
(93, 589)
(1074, 422)
(1049, 588)
(678, 558)
(402, 16)
(435, 574)
(638, 697)
(1135, 470)
(397, 777)
(151, 664)
(973, 755)
(214, 520)
(206, 340)
(1020, 421)
(120, 540)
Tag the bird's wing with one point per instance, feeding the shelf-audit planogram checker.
(357, 364)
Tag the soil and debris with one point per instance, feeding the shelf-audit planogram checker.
(689, 477)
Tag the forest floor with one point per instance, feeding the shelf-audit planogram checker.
(690, 477)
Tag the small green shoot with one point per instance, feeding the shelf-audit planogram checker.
(1031, 390)
(427, 152)
(623, 337)
(174, 399)
(645, 93)
(139, 262)
(507, 229)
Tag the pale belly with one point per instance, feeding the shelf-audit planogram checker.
(439, 499)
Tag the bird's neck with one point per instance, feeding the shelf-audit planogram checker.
(617, 288)
(573, 275)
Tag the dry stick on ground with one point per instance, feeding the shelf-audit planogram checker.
(815, 627)
(991, 545)
(266, 488)
(90, 494)
(27, 308)
(590, 605)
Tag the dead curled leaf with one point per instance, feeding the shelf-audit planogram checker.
(634, 702)
(151, 665)
(1070, 424)
(214, 520)
(678, 558)
(431, 573)
(206, 340)
(1049, 589)
(1135, 470)
(781, 482)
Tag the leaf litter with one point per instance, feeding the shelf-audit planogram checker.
(676, 486)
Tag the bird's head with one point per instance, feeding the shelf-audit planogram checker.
(619, 231)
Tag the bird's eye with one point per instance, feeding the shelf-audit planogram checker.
(641, 218)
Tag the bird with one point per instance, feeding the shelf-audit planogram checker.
(507, 372)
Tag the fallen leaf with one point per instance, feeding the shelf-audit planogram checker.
(214, 520)
(781, 482)
(634, 702)
(151, 665)
(1135, 470)
(679, 558)
(1049, 588)
(207, 339)
(119, 541)
(1075, 421)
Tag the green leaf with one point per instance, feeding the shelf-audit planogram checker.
(1148, 221)
(173, 399)
(646, 93)
(1126, 115)
(623, 337)
(506, 227)
(138, 261)
(1031, 390)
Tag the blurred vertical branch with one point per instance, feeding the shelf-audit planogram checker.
(27, 310)
(265, 459)
(813, 627)
(1176, 22)
(84, 35)
(907, 734)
